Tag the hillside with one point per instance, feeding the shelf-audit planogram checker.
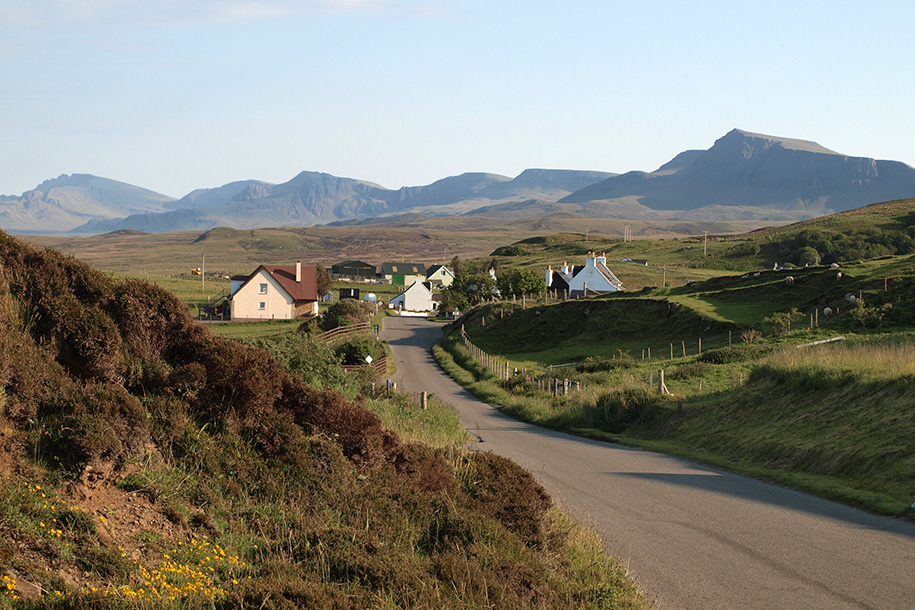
(149, 463)
(407, 237)
(748, 169)
(798, 372)
(69, 201)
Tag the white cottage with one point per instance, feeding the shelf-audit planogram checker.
(439, 275)
(417, 297)
(276, 292)
(594, 277)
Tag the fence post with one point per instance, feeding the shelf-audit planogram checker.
(684, 349)
(423, 398)
(700, 346)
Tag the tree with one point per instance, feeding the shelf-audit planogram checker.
(521, 282)
(467, 290)
(457, 265)
(323, 279)
(807, 256)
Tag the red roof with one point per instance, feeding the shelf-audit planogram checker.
(306, 290)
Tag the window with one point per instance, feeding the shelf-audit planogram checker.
(263, 289)
(262, 305)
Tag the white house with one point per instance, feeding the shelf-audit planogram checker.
(439, 275)
(417, 297)
(276, 292)
(594, 277)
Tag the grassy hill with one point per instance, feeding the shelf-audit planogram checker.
(149, 463)
(415, 238)
(834, 418)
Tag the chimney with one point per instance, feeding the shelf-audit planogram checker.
(549, 276)
(565, 268)
(298, 272)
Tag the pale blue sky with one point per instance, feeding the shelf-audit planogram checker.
(174, 95)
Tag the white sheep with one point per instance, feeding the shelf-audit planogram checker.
(827, 311)
(789, 280)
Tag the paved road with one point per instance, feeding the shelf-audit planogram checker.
(695, 538)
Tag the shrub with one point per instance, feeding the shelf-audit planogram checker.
(357, 349)
(306, 357)
(594, 364)
(734, 353)
(690, 370)
(346, 312)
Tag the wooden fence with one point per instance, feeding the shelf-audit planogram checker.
(380, 366)
(345, 331)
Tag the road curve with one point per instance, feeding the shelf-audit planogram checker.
(694, 538)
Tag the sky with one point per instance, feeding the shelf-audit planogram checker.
(175, 95)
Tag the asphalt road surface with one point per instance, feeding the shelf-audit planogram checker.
(694, 538)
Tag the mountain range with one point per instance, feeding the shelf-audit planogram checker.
(743, 176)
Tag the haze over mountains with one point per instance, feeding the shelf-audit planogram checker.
(744, 176)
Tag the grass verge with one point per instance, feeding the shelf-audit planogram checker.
(832, 421)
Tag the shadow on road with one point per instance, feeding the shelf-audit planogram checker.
(756, 491)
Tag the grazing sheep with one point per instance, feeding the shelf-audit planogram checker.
(789, 280)
(827, 311)
(838, 276)
(850, 297)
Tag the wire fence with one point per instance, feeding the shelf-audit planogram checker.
(822, 316)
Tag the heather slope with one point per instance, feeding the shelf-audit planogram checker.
(148, 462)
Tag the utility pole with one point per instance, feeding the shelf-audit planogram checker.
(203, 274)
(705, 246)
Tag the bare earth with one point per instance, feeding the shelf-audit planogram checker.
(695, 538)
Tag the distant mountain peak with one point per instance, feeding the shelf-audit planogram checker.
(758, 142)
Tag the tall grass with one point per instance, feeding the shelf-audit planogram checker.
(883, 359)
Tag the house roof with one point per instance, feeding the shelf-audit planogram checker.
(306, 290)
(403, 268)
(435, 268)
(353, 263)
(608, 274)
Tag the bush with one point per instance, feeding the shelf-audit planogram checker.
(346, 312)
(357, 349)
(594, 364)
(734, 353)
(306, 357)
(690, 370)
